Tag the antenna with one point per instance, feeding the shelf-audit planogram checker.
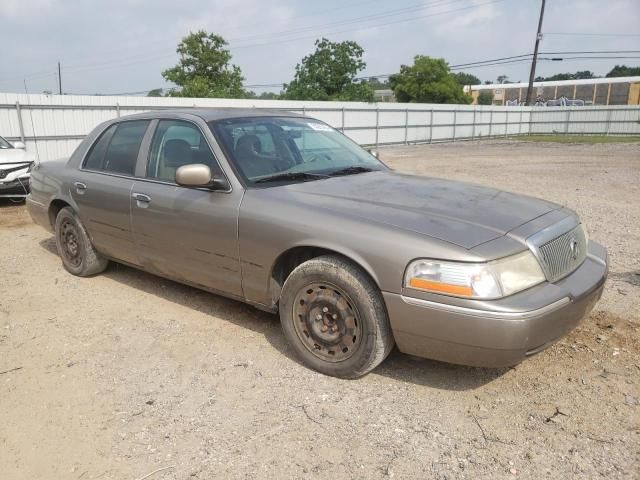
(33, 128)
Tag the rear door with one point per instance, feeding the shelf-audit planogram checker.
(102, 188)
(189, 234)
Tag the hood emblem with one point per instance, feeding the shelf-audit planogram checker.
(575, 248)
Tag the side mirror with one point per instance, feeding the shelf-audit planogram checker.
(198, 175)
(374, 153)
(19, 145)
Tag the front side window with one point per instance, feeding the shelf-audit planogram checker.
(176, 143)
(282, 149)
(4, 144)
(116, 151)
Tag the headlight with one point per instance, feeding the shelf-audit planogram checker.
(496, 279)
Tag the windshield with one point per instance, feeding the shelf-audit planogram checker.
(4, 143)
(282, 149)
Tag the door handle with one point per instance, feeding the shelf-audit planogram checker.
(142, 200)
(80, 188)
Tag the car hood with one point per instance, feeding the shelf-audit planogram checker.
(460, 213)
(14, 155)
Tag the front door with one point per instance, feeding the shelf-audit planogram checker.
(102, 188)
(188, 234)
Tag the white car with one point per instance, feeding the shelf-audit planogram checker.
(15, 168)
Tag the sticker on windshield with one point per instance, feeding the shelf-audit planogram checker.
(320, 127)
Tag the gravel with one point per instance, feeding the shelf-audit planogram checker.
(124, 374)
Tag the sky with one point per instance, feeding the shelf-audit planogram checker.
(122, 46)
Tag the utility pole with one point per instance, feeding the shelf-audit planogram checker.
(532, 75)
(59, 80)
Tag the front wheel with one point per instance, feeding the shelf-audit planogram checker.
(74, 246)
(334, 317)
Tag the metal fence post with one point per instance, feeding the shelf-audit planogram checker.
(608, 127)
(490, 122)
(520, 123)
(506, 124)
(566, 122)
(473, 126)
(377, 123)
(20, 124)
(342, 128)
(406, 125)
(118, 109)
(431, 125)
(455, 121)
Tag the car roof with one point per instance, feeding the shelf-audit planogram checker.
(209, 114)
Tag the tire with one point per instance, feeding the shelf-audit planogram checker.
(334, 317)
(74, 246)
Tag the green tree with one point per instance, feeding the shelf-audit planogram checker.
(428, 80)
(584, 74)
(376, 84)
(264, 95)
(204, 69)
(502, 79)
(623, 71)
(156, 92)
(466, 79)
(485, 97)
(329, 73)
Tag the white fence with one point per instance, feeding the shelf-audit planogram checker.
(58, 123)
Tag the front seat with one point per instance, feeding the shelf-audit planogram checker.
(248, 155)
(177, 152)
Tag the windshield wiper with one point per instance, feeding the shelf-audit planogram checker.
(351, 170)
(291, 176)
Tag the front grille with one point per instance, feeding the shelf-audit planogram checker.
(562, 255)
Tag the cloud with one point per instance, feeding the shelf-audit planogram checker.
(123, 45)
(11, 10)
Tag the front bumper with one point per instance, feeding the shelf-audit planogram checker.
(500, 332)
(18, 188)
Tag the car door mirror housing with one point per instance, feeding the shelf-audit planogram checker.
(374, 153)
(19, 145)
(199, 175)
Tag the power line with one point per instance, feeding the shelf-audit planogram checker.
(521, 58)
(414, 18)
(388, 13)
(147, 58)
(452, 68)
(140, 59)
(587, 34)
(588, 52)
(492, 60)
(244, 28)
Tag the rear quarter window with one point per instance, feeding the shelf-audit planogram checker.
(116, 151)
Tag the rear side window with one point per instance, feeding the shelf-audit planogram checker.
(96, 154)
(117, 148)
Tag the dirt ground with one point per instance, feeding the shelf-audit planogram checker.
(128, 376)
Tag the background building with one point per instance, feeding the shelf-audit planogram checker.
(595, 91)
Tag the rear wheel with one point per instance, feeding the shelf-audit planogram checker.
(74, 246)
(334, 317)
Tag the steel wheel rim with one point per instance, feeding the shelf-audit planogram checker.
(327, 322)
(70, 241)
